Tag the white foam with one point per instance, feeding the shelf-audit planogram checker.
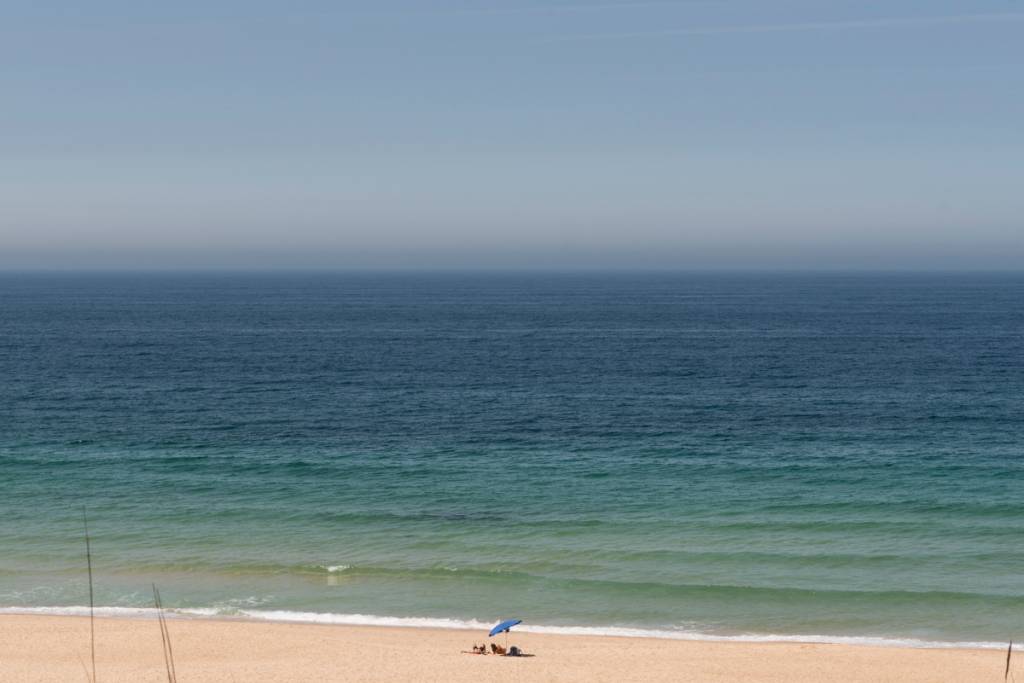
(80, 611)
(476, 625)
(123, 612)
(606, 631)
(365, 620)
(201, 611)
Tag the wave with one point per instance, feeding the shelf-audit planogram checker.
(509, 576)
(554, 576)
(286, 616)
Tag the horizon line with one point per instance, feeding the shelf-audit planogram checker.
(800, 27)
(383, 270)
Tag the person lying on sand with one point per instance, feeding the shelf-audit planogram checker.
(478, 650)
(511, 652)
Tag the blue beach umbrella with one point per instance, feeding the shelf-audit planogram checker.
(505, 627)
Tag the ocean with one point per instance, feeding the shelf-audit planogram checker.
(832, 457)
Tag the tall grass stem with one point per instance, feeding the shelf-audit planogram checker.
(92, 602)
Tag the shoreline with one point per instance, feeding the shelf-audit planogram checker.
(476, 626)
(51, 648)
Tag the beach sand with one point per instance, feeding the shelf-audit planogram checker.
(56, 648)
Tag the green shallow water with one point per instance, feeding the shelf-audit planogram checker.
(833, 456)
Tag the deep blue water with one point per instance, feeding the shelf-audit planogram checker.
(838, 455)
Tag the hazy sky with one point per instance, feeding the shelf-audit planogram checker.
(687, 133)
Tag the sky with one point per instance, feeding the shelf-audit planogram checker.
(502, 134)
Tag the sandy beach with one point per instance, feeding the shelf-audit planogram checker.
(54, 648)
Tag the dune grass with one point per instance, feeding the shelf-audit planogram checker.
(165, 637)
(92, 601)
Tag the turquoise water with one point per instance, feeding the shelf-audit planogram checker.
(834, 456)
